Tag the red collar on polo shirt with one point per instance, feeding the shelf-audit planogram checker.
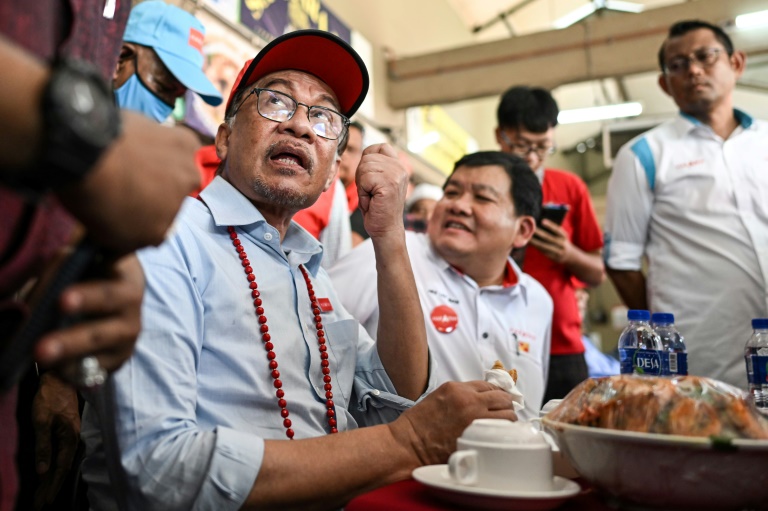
(510, 277)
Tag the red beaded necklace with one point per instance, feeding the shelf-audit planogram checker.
(267, 339)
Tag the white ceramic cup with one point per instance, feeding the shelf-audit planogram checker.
(502, 455)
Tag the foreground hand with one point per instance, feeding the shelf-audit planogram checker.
(381, 185)
(553, 241)
(131, 197)
(56, 421)
(430, 428)
(110, 308)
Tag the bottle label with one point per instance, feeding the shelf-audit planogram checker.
(759, 373)
(626, 355)
(647, 362)
(676, 364)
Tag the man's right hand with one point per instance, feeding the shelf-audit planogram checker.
(131, 197)
(109, 308)
(430, 428)
(381, 185)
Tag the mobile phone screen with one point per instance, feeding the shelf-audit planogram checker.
(554, 212)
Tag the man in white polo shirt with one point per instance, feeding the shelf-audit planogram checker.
(478, 305)
(691, 196)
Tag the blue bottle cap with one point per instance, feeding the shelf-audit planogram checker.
(663, 318)
(638, 315)
(760, 323)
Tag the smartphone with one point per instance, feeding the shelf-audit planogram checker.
(553, 212)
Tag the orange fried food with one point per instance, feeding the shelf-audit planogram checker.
(690, 417)
(688, 405)
(512, 372)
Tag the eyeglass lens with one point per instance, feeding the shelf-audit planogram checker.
(279, 107)
(524, 149)
(704, 57)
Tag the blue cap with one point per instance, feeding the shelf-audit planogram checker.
(663, 318)
(177, 38)
(638, 315)
(760, 323)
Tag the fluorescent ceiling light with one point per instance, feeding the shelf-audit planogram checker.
(752, 20)
(424, 141)
(586, 10)
(618, 5)
(599, 113)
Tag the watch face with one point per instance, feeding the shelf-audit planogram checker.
(87, 106)
(80, 121)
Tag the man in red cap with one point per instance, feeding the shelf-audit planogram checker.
(245, 345)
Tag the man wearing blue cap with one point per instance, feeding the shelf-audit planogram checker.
(161, 57)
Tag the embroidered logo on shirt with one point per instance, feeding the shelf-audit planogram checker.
(689, 164)
(325, 305)
(443, 296)
(523, 340)
(444, 318)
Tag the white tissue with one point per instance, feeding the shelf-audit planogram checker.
(502, 378)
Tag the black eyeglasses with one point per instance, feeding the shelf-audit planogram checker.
(704, 57)
(524, 149)
(280, 107)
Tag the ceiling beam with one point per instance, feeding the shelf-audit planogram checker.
(603, 46)
(502, 16)
(752, 85)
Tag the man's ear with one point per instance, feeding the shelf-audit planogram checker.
(663, 83)
(499, 140)
(125, 64)
(738, 63)
(222, 140)
(526, 228)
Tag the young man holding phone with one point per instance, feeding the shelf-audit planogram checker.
(567, 244)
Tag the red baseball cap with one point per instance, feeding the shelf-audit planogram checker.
(318, 53)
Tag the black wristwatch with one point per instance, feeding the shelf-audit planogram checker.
(80, 120)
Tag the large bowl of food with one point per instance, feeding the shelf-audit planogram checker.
(684, 443)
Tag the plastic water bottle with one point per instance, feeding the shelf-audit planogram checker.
(756, 357)
(639, 347)
(674, 358)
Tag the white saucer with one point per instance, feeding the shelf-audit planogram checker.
(438, 479)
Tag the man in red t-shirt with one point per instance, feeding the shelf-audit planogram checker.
(557, 254)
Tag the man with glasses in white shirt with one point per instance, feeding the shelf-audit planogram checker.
(690, 196)
(247, 365)
(557, 253)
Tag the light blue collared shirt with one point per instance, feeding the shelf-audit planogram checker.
(196, 400)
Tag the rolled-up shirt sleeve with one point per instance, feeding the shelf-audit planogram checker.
(629, 204)
(375, 399)
(170, 461)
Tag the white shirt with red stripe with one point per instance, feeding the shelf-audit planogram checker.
(468, 327)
